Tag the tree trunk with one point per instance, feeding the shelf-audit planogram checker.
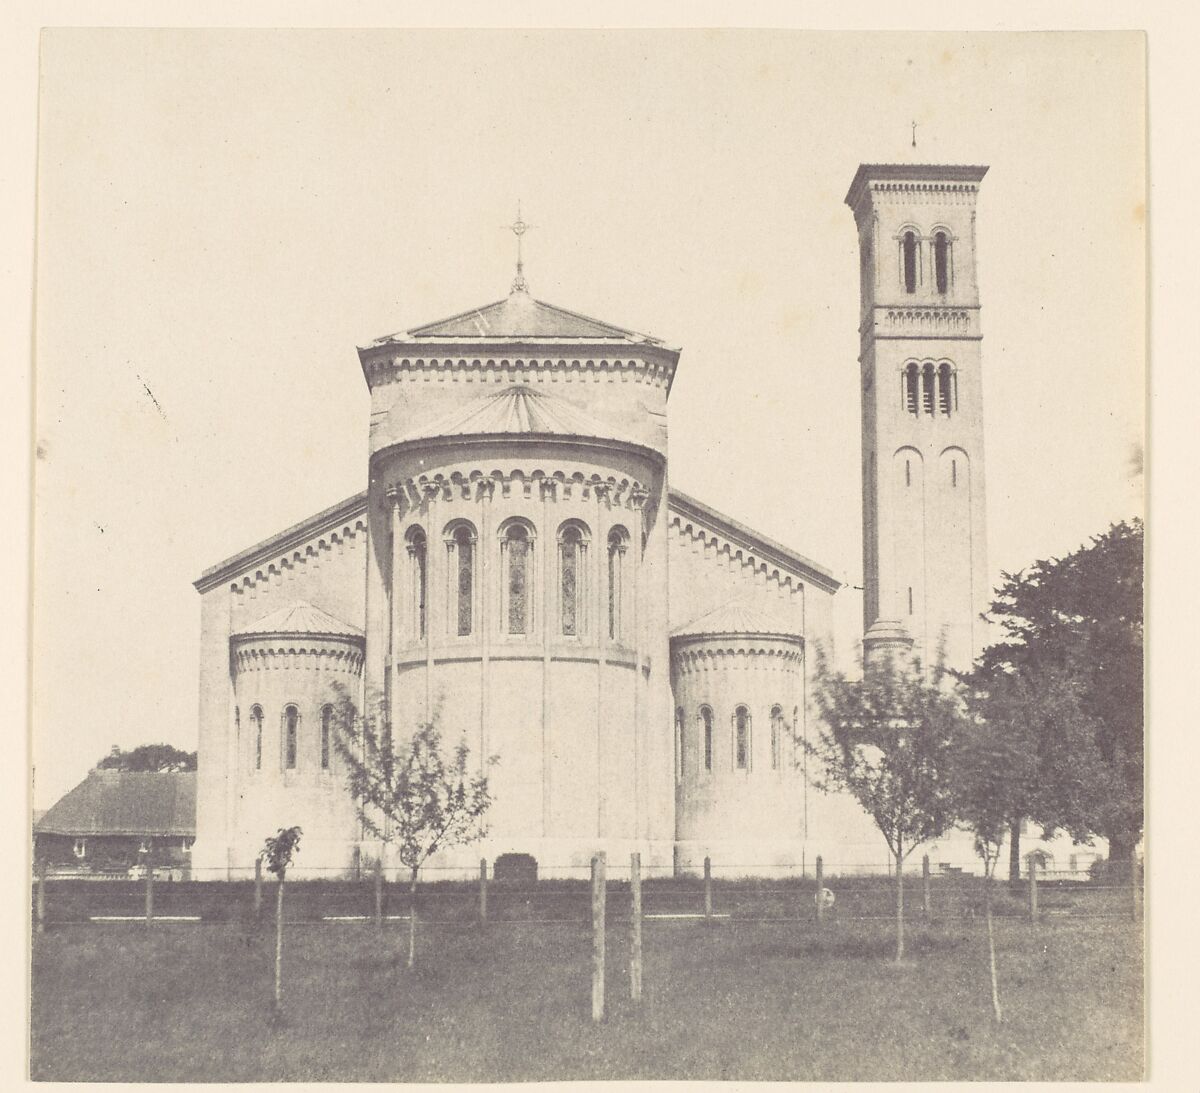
(899, 903)
(987, 910)
(412, 919)
(1121, 850)
(279, 948)
(1014, 852)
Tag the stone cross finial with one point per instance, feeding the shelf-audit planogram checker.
(518, 227)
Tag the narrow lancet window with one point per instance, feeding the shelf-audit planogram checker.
(741, 738)
(941, 262)
(617, 543)
(256, 724)
(418, 568)
(462, 574)
(326, 736)
(517, 553)
(777, 728)
(571, 551)
(291, 737)
(706, 730)
(909, 247)
(928, 395)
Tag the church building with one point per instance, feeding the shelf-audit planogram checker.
(519, 570)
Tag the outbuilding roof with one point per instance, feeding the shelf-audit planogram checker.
(117, 802)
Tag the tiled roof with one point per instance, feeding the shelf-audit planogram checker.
(299, 618)
(517, 409)
(113, 802)
(520, 316)
(735, 617)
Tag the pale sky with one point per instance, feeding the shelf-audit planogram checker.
(224, 216)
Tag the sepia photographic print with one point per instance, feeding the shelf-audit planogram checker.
(575, 555)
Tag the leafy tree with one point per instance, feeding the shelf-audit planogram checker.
(415, 796)
(277, 852)
(149, 757)
(1024, 751)
(1082, 617)
(885, 739)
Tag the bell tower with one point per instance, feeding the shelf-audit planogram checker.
(924, 546)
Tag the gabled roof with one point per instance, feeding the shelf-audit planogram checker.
(735, 617)
(114, 802)
(520, 317)
(517, 409)
(299, 618)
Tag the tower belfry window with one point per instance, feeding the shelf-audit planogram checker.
(941, 262)
(927, 392)
(908, 247)
(912, 388)
(946, 390)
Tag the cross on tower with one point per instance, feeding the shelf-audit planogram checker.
(518, 227)
(914, 128)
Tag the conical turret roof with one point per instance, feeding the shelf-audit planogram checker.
(736, 617)
(299, 618)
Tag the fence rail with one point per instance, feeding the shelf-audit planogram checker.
(841, 893)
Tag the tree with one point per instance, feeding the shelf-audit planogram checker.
(278, 851)
(416, 797)
(885, 739)
(1023, 751)
(1082, 616)
(149, 757)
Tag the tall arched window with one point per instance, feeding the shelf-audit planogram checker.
(927, 385)
(909, 248)
(741, 738)
(678, 744)
(618, 542)
(291, 737)
(460, 570)
(941, 261)
(572, 578)
(256, 727)
(706, 733)
(777, 729)
(418, 576)
(516, 563)
(326, 736)
(912, 388)
(946, 390)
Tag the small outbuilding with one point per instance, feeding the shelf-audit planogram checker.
(116, 821)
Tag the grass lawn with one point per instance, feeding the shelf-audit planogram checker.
(749, 1001)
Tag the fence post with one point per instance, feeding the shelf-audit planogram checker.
(820, 903)
(707, 891)
(257, 887)
(635, 927)
(41, 896)
(1137, 888)
(379, 893)
(1033, 907)
(925, 893)
(357, 863)
(598, 894)
(483, 891)
(149, 893)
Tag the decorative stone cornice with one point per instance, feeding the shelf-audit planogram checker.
(335, 540)
(263, 653)
(921, 321)
(536, 484)
(735, 652)
(914, 183)
(383, 365)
